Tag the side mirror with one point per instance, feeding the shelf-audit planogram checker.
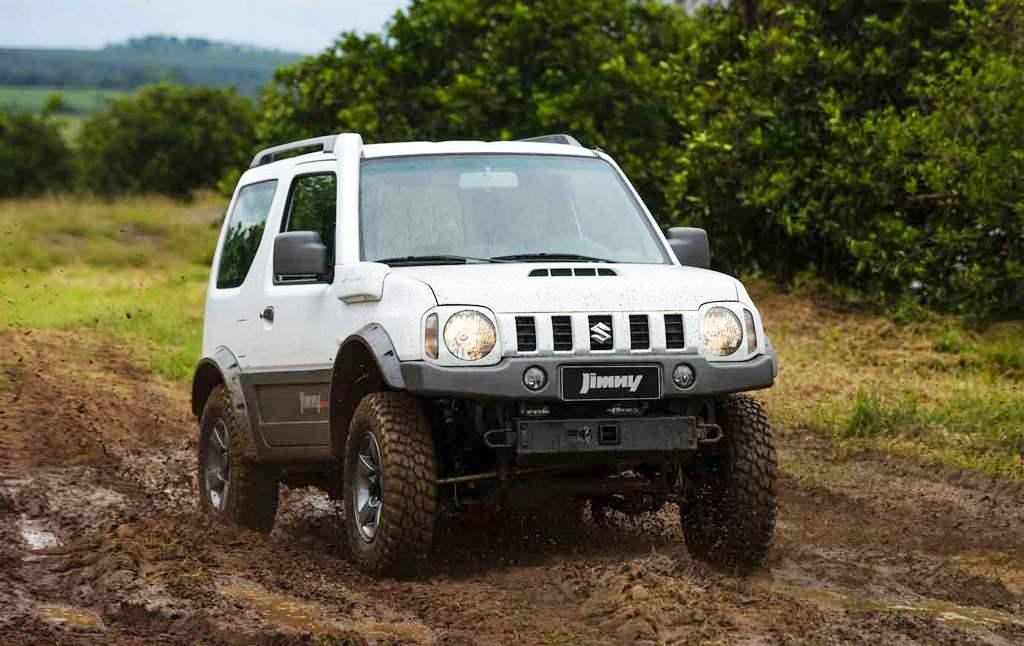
(300, 254)
(691, 246)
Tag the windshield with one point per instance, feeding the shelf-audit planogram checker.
(516, 207)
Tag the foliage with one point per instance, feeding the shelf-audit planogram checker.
(873, 144)
(33, 156)
(478, 69)
(166, 139)
(876, 145)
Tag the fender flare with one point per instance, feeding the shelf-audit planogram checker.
(366, 362)
(221, 368)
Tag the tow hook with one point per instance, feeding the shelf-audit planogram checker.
(709, 433)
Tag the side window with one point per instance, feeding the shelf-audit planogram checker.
(312, 206)
(245, 229)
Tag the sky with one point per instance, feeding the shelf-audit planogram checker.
(304, 26)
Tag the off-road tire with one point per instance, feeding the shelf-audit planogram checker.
(729, 514)
(252, 496)
(408, 481)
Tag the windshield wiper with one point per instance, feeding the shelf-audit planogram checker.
(550, 256)
(437, 259)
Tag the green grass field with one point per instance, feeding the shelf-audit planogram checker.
(135, 269)
(77, 100)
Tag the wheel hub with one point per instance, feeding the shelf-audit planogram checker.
(367, 488)
(218, 465)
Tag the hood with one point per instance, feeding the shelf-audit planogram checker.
(530, 287)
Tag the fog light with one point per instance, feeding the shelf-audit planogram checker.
(683, 375)
(535, 378)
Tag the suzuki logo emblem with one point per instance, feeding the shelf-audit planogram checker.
(600, 333)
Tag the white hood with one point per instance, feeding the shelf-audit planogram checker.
(508, 288)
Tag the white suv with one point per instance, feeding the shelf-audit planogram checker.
(420, 326)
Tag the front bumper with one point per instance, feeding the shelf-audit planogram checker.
(504, 380)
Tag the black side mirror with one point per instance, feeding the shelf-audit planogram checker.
(691, 246)
(300, 254)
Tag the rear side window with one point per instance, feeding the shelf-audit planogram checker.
(245, 230)
(312, 206)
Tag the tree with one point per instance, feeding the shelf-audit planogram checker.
(479, 69)
(166, 139)
(33, 156)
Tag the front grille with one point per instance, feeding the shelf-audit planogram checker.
(601, 333)
(526, 334)
(674, 338)
(561, 331)
(639, 332)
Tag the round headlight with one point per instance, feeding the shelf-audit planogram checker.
(721, 331)
(469, 335)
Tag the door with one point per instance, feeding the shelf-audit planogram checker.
(289, 374)
(235, 279)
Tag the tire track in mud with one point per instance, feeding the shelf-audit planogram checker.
(100, 455)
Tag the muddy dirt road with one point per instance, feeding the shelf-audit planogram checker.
(100, 543)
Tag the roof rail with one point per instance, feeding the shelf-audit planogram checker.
(267, 155)
(567, 140)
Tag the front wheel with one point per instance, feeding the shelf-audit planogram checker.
(390, 488)
(728, 517)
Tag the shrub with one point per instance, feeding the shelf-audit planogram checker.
(166, 139)
(33, 156)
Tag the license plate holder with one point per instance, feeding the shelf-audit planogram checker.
(610, 382)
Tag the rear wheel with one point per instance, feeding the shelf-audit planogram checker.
(390, 489)
(729, 515)
(232, 484)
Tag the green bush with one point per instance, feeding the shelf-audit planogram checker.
(166, 139)
(33, 156)
(876, 145)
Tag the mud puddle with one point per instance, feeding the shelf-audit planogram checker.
(69, 617)
(35, 534)
(793, 582)
(311, 618)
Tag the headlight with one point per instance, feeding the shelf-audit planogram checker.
(721, 331)
(469, 335)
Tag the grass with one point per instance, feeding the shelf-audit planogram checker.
(935, 389)
(132, 269)
(76, 100)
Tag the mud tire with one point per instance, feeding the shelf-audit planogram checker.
(729, 515)
(406, 527)
(252, 495)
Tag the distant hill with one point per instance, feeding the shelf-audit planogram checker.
(193, 61)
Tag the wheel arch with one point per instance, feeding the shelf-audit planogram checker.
(366, 363)
(220, 369)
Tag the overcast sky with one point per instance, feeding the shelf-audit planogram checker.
(294, 25)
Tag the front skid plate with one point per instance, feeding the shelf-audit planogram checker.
(604, 440)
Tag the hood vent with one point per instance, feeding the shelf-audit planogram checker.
(570, 271)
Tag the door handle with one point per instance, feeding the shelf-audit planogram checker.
(267, 314)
